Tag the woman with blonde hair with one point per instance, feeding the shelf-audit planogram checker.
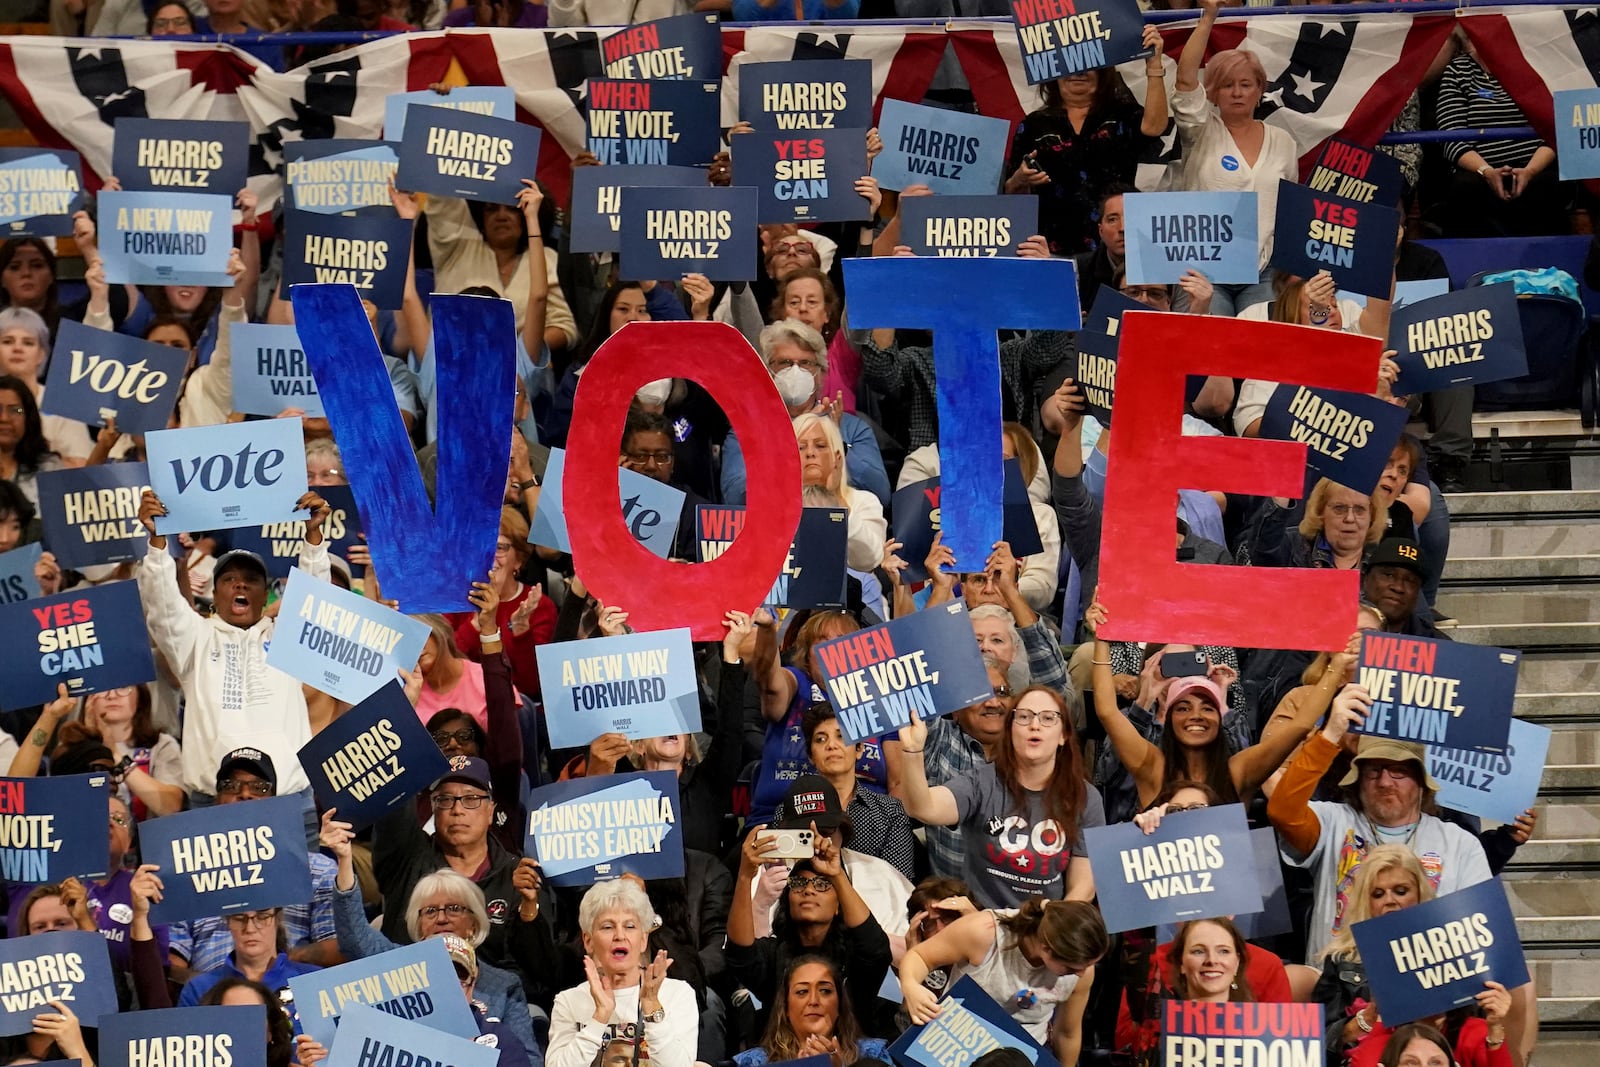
(822, 463)
(1337, 529)
(449, 679)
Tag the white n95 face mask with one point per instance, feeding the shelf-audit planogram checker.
(655, 394)
(795, 384)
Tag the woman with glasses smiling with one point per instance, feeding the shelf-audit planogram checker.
(1337, 530)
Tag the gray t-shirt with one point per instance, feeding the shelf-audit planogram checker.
(1012, 855)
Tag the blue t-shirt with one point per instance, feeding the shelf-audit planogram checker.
(868, 1048)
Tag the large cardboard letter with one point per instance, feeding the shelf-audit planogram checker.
(426, 556)
(964, 302)
(1148, 594)
(658, 594)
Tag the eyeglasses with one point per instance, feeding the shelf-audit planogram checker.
(470, 801)
(651, 459)
(798, 882)
(1394, 774)
(1044, 718)
(176, 22)
(1002, 691)
(433, 911)
(502, 547)
(460, 737)
(777, 366)
(248, 921)
(1345, 511)
(1156, 293)
(119, 819)
(12, 409)
(1186, 807)
(233, 787)
(793, 248)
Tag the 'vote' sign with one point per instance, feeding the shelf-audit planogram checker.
(219, 477)
(111, 375)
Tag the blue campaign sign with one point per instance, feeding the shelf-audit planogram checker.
(374, 756)
(196, 156)
(1273, 918)
(1216, 1033)
(166, 238)
(917, 513)
(1438, 692)
(339, 176)
(1196, 865)
(229, 857)
(1353, 242)
(40, 838)
(1405, 293)
(1170, 233)
(804, 177)
(1062, 37)
(967, 225)
(367, 1036)
(639, 685)
(1495, 785)
(596, 829)
(1105, 314)
(1348, 436)
(969, 1024)
(369, 253)
(40, 188)
(499, 101)
(278, 543)
(228, 1034)
(1577, 119)
(927, 663)
(650, 508)
(807, 94)
(661, 122)
(221, 477)
(951, 152)
(72, 966)
(1097, 373)
(101, 375)
(1472, 336)
(340, 642)
(475, 157)
(1436, 956)
(667, 233)
(1364, 175)
(416, 983)
(814, 572)
(91, 514)
(88, 639)
(270, 371)
(597, 199)
(17, 581)
(669, 49)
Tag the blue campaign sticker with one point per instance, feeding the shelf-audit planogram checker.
(1062, 37)
(369, 253)
(374, 756)
(89, 639)
(670, 49)
(639, 685)
(667, 233)
(416, 983)
(1196, 865)
(1193, 1031)
(925, 663)
(278, 543)
(101, 375)
(197, 156)
(166, 238)
(650, 508)
(804, 177)
(367, 1037)
(597, 200)
(658, 122)
(596, 829)
(91, 514)
(1438, 692)
(40, 821)
(1171, 233)
(951, 152)
(1470, 336)
(229, 857)
(1577, 119)
(72, 966)
(1353, 172)
(969, 1025)
(968, 225)
(1353, 242)
(1427, 959)
(223, 1034)
(270, 372)
(1495, 785)
(917, 513)
(499, 101)
(341, 642)
(807, 94)
(17, 581)
(814, 572)
(339, 176)
(474, 157)
(1348, 436)
(221, 477)
(40, 189)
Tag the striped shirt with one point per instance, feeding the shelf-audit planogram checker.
(1472, 98)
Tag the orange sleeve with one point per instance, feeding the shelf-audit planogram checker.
(1289, 807)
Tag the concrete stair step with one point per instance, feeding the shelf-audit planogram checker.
(1559, 853)
(1511, 504)
(1553, 897)
(1573, 746)
(1568, 1012)
(1559, 674)
(1564, 819)
(1572, 1050)
(1559, 931)
(1526, 537)
(1520, 606)
(1530, 635)
(1496, 569)
(1554, 709)
(1570, 779)
(1566, 977)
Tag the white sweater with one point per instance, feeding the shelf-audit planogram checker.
(575, 1038)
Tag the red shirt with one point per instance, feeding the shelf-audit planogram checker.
(1269, 983)
(519, 650)
(1472, 1046)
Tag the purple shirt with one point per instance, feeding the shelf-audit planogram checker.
(110, 904)
(532, 17)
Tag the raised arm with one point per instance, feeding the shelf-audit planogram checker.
(1155, 86)
(25, 764)
(778, 686)
(1289, 807)
(529, 199)
(933, 805)
(1194, 49)
(1141, 759)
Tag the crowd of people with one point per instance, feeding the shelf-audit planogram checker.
(952, 848)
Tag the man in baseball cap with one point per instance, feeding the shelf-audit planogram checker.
(1393, 578)
(492, 1033)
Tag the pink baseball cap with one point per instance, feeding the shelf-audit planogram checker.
(1189, 684)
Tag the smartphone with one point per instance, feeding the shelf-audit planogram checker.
(792, 844)
(1184, 664)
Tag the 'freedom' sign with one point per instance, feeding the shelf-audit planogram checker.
(596, 829)
(230, 857)
(340, 642)
(1348, 436)
(926, 663)
(89, 639)
(1171, 233)
(1189, 868)
(638, 685)
(103, 375)
(35, 814)
(166, 238)
(417, 982)
(1062, 37)
(40, 189)
(1197, 1033)
(372, 757)
(71, 966)
(91, 514)
(1473, 335)
(219, 477)
(1438, 692)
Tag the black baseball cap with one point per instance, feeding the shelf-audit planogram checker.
(253, 760)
